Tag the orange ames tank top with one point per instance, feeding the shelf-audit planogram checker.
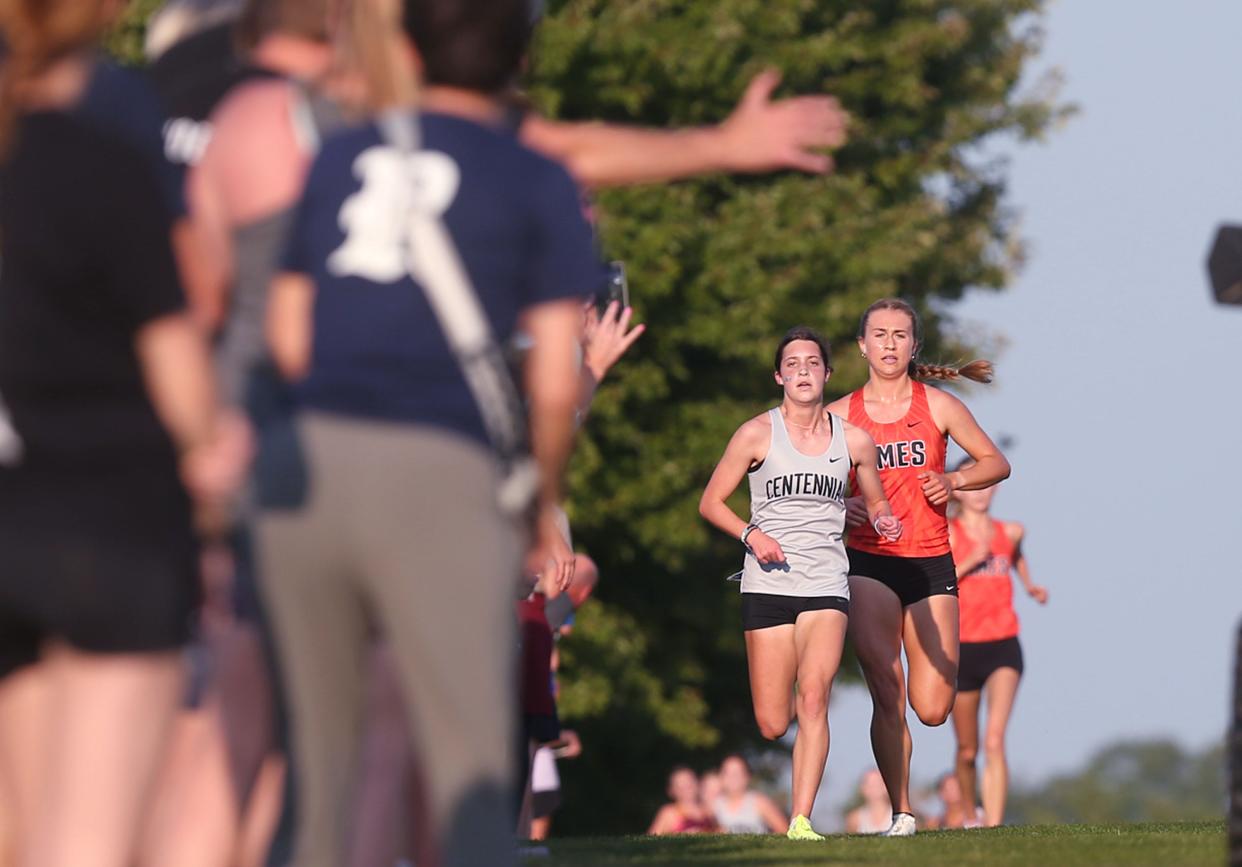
(985, 594)
(909, 446)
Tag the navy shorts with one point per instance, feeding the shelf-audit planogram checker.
(765, 610)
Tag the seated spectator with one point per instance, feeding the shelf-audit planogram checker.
(739, 809)
(875, 814)
(956, 813)
(686, 815)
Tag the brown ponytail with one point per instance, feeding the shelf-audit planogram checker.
(37, 34)
(977, 371)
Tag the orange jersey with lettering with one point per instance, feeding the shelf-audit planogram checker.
(985, 594)
(909, 446)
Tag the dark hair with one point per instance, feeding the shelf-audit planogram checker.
(801, 332)
(475, 45)
(979, 370)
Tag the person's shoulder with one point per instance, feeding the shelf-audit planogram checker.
(939, 396)
(255, 103)
(841, 406)
(756, 428)
(1014, 530)
(503, 147)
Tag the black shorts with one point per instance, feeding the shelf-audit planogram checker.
(981, 659)
(544, 804)
(104, 566)
(764, 610)
(913, 579)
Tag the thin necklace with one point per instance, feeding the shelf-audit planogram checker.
(788, 420)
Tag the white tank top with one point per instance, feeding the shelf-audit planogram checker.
(799, 501)
(746, 819)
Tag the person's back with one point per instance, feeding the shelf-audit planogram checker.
(508, 214)
(69, 300)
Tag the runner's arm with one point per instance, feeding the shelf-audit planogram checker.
(747, 447)
(865, 459)
(1018, 533)
(990, 465)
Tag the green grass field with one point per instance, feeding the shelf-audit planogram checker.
(1179, 845)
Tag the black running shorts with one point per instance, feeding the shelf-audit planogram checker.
(981, 659)
(913, 579)
(764, 610)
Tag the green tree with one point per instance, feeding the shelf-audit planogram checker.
(655, 672)
(1131, 781)
(125, 41)
(720, 268)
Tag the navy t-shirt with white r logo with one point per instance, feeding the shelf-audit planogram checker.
(515, 220)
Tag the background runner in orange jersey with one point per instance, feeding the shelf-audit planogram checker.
(905, 593)
(986, 551)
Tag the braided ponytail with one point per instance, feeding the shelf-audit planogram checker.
(977, 371)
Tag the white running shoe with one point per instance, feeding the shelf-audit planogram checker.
(903, 826)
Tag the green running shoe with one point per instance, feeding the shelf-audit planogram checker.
(800, 829)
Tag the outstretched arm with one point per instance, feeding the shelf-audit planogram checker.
(761, 135)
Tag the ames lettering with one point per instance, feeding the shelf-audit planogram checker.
(806, 485)
(912, 453)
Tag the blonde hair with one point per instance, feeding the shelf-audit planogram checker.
(370, 44)
(978, 370)
(37, 34)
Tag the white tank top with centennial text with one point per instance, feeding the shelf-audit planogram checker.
(799, 500)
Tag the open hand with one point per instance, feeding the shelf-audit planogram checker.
(764, 136)
(606, 338)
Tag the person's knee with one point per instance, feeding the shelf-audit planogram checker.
(933, 711)
(812, 703)
(967, 753)
(994, 745)
(772, 725)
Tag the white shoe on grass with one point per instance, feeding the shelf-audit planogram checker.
(903, 826)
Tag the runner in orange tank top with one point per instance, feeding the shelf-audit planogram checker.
(905, 594)
(986, 551)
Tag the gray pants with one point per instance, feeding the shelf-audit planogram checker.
(400, 534)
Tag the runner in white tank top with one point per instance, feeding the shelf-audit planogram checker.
(795, 592)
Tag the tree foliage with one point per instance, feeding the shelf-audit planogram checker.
(720, 268)
(1131, 781)
(655, 671)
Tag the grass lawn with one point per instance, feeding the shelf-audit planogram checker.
(1178, 845)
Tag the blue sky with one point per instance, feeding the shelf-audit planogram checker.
(1122, 383)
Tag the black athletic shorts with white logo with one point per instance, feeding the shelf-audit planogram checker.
(981, 659)
(764, 610)
(913, 579)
